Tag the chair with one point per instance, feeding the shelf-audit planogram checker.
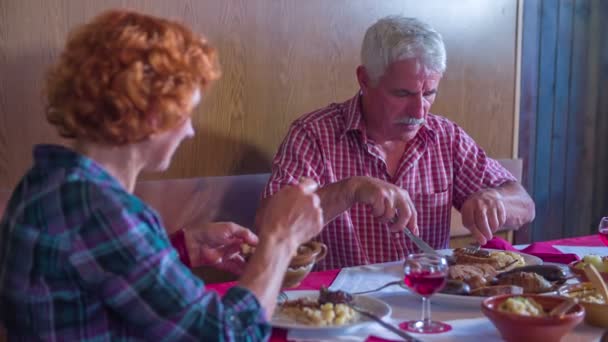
(4, 197)
(189, 202)
(459, 235)
(185, 202)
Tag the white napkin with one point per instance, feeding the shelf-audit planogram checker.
(582, 251)
(369, 277)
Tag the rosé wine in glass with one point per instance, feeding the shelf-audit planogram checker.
(603, 230)
(425, 274)
(425, 283)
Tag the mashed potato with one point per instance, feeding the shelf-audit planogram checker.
(320, 314)
(522, 306)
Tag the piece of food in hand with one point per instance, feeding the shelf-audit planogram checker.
(522, 306)
(456, 287)
(531, 282)
(247, 250)
(488, 291)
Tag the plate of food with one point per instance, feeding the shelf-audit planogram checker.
(476, 275)
(325, 310)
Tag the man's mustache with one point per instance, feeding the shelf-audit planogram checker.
(410, 121)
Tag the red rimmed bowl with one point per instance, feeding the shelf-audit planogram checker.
(580, 273)
(596, 311)
(515, 327)
(302, 263)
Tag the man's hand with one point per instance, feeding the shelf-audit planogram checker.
(218, 244)
(388, 202)
(483, 213)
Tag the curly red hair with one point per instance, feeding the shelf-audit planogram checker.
(125, 76)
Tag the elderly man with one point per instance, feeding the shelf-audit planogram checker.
(386, 163)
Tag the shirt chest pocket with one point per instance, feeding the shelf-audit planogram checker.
(425, 202)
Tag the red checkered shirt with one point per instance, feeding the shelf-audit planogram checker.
(441, 166)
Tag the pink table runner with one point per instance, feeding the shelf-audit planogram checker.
(316, 279)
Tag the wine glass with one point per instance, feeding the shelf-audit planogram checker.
(603, 230)
(425, 274)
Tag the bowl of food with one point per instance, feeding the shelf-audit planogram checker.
(595, 306)
(600, 263)
(526, 317)
(301, 263)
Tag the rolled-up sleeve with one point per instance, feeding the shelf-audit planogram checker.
(122, 254)
(473, 169)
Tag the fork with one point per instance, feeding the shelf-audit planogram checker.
(473, 248)
(396, 282)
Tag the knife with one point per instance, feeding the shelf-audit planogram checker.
(419, 242)
(399, 332)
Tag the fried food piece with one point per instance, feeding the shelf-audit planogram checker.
(475, 275)
(488, 291)
(530, 282)
(500, 260)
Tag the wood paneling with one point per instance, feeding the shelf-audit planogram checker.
(280, 60)
(563, 116)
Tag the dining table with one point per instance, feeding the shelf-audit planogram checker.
(467, 321)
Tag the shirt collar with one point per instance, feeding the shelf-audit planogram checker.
(53, 156)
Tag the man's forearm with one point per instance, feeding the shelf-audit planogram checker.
(519, 207)
(336, 198)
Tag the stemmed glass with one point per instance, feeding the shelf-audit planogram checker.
(425, 274)
(603, 230)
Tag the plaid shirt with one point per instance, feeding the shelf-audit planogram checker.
(442, 166)
(83, 260)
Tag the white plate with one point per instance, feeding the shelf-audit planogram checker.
(529, 259)
(473, 301)
(370, 304)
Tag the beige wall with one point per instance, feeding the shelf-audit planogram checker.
(281, 58)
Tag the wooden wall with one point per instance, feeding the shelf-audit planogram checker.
(564, 116)
(281, 58)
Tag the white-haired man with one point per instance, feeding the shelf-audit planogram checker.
(385, 163)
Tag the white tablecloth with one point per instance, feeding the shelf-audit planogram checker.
(468, 322)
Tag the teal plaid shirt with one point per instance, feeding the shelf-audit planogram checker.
(81, 259)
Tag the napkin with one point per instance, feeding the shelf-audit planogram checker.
(542, 250)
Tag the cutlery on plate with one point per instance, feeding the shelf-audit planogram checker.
(386, 325)
(396, 282)
(473, 248)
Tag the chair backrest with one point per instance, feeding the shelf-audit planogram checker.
(5, 195)
(515, 167)
(183, 202)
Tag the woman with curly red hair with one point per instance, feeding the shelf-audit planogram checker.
(81, 257)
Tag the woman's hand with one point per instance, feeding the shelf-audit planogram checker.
(294, 213)
(218, 244)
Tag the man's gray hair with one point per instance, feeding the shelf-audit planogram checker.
(396, 38)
